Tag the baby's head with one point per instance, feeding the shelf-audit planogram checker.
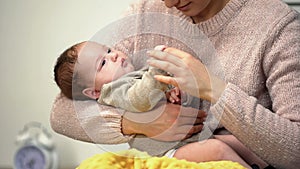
(84, 68)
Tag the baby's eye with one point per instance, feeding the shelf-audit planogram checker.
(103, 63)
(108, 50)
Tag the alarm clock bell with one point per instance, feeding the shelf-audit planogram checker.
(36, 149)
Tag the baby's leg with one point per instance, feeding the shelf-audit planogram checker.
(209, 150)
(242, 150)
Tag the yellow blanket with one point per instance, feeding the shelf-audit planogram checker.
(133, 159)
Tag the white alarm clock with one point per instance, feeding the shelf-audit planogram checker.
(36, 149)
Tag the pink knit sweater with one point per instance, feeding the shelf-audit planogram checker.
(258, 45)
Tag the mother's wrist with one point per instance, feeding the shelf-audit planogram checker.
(128, 126)
(218, 87)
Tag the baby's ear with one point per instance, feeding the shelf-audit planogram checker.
(91, 93)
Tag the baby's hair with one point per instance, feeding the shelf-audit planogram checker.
(64, 74)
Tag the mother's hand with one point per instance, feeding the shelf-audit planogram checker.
(168, 122)
(190, 75)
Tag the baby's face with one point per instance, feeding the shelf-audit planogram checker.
(99, 64)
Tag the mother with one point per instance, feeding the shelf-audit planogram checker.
(258, 46)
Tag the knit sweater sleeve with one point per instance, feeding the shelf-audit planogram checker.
(275, 130)
(95, 123)
(87, 121)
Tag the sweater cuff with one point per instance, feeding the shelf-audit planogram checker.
(218, 108)
(101, 123)
(229, 97)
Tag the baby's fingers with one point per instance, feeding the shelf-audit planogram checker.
(177, 91)
(175, 97)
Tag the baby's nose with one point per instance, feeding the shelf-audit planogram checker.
(113, 56)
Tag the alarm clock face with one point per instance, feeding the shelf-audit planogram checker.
(30, 157)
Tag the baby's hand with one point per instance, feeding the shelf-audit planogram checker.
(173, 95)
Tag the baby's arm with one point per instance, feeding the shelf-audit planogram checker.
(137, 92)
(147, 92)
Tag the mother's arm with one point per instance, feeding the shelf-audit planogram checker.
(274, 135)
(91, 122)
(65, 120)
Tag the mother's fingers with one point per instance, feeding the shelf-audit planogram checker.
(166, 79)
(189, 121)
(176, 52)
(187, 129)
(190, 116)
(165, 65)
(165, 56)
(191, 112)
(193, 130)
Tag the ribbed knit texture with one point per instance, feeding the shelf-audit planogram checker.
(257, 44)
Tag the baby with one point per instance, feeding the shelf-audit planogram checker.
(89, 70)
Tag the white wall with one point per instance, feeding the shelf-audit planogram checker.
(33, 33)
(295, 2)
